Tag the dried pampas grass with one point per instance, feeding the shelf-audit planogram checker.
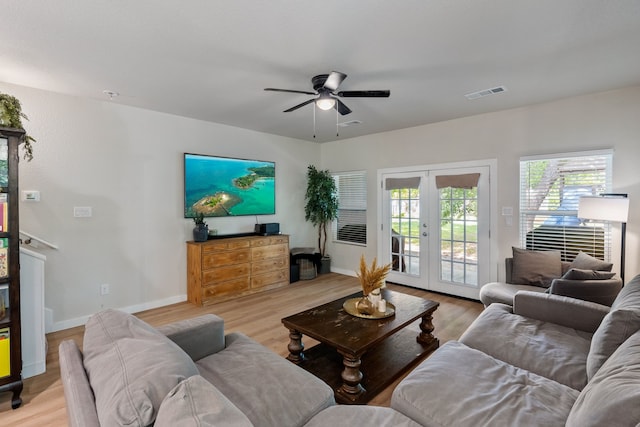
(372, 278)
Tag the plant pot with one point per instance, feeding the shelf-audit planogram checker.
(201, 233)
(324, 266)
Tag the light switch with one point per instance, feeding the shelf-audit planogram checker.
(31, 195)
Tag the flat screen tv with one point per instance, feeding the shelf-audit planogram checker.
(224, 186)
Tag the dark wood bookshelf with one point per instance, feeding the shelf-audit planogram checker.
(11, 378)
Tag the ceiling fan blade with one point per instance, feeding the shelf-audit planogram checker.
(364, 93)
(290, 91)
(334, 80)
(342, 109)
(299, 105)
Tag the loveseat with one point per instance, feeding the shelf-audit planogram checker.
(189, 373)
(547, 361)
(586, 277)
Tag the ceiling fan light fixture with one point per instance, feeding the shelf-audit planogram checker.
(325, 102)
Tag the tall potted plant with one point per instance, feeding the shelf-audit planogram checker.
(11, 115)
(321, 208)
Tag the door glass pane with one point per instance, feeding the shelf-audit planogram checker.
(405, 230)
(458, 235)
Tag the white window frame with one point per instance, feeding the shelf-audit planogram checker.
(352, 208)
(562, 231)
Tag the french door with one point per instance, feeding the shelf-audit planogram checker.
(435, 228)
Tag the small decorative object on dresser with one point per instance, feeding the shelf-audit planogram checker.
(201, 230)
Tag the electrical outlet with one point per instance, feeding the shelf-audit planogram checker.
(104, 289)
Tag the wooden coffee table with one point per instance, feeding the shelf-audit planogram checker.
(359, 357)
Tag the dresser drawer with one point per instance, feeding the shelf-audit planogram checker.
(269, 240)
(216, 259)
(271, 278)
(222, 274)
(232, 287)
(224, 245)
(259, 267)
(271, 251)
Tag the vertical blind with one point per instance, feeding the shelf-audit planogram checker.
(550, 187)
(351, 224)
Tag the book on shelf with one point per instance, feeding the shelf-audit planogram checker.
(5, 353)
(4, 257)
(4, 301)
(4, 216)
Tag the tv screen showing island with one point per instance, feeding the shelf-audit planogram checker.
(224, 186)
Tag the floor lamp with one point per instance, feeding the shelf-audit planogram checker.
(612, 207)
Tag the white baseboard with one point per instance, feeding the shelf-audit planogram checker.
(79, 321)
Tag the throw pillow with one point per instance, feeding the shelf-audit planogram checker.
(537, 268)
(131, 367)
(612, 396)
(587, 262)
(579, 274)
(196, 402)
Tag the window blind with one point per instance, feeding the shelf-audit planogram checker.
(550, 188)
(351, 224)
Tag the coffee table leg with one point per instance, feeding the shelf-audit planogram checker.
(351, 377)
(426, 328)
(295, 346)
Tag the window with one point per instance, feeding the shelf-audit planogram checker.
(351, 224)
(550, 187)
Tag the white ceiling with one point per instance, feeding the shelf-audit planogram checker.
(211, 59)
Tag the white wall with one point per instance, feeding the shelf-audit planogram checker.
(597, 121)
(126, 163)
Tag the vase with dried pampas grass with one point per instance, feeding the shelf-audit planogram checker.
(373, 277)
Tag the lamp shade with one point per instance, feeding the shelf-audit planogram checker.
(604, 208)
(325, 102)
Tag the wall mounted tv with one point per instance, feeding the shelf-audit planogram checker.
(223, 186)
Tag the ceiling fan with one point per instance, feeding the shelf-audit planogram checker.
(325, 86)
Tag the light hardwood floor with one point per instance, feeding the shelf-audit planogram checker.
(258, 316)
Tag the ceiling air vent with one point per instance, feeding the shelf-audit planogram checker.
(485, 92)
(349, 123)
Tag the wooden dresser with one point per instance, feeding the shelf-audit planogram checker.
(222, 269)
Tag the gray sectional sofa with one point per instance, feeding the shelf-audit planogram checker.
(547, 361)
(189, 373)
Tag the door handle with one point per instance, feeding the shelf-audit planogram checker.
(424, 233)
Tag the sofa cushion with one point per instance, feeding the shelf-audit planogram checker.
(198, 336)
(131, 367)
(537, 268)
(81, 405)
(622, 321)
(612, 397)
(547, 349)
(460, 386)
(196, 402)
(503, 293)
(354, 416)
(266, 387)
(585, 261)
(580, 274)
(629, 296)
